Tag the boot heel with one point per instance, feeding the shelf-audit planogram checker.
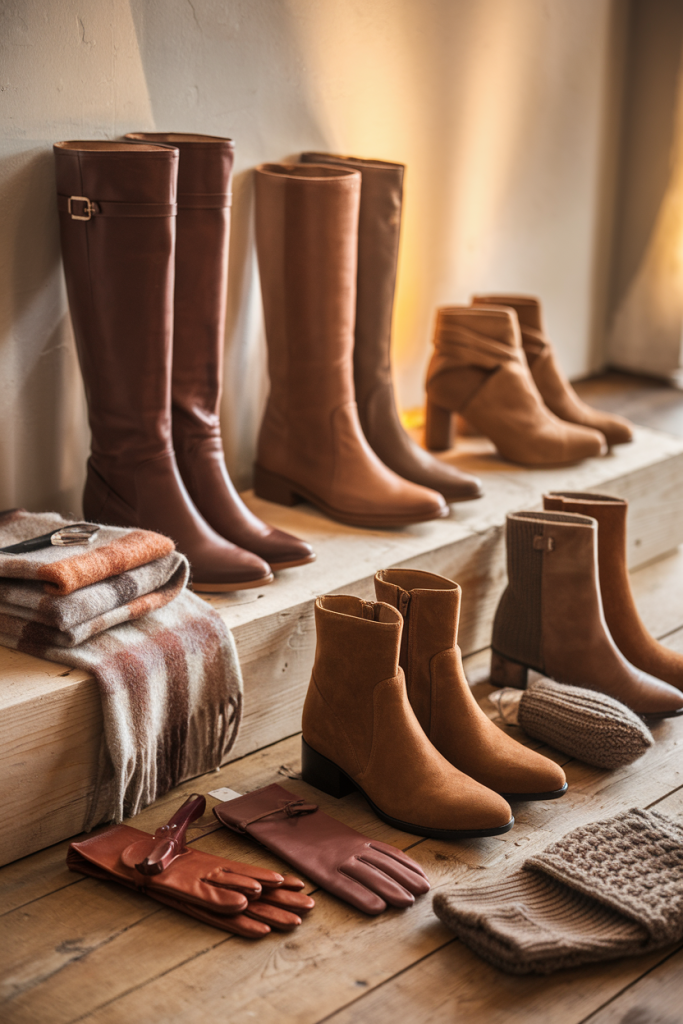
(317, 771)
(507, 673)
(439, 429)
(274, 488)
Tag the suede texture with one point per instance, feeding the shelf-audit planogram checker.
(357, 714)
(621, 614)
(440, 694)
(554, 388)
(479, 370)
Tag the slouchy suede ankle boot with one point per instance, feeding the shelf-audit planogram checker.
(360, 731)
(311, 446)
(550, 617)
(479, 370)
(379, 227)
(200, 294)
(621, 614)
(440, 696)
(554, 388)
(117, 205)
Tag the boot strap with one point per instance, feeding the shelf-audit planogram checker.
(82, 208)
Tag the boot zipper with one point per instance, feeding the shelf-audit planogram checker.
(403, 607)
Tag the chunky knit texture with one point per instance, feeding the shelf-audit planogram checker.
(586, 724)
(609, 889)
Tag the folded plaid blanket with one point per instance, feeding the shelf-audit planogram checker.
(169, 677)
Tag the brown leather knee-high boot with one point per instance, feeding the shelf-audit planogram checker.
(360, 731)
(554, 388)
(440, 695)
(550, 617)
(200, 293)
(479, 370)
(311, 446)
(621, 614)
(117, 220)
(379, 227)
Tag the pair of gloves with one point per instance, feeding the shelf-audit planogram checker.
(243, 899)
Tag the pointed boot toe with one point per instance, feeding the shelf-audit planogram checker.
(283, 551)
(538, 779)
(230, 569)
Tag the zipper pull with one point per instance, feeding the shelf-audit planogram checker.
(403, 602)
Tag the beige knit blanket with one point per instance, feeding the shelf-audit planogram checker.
(165, 663)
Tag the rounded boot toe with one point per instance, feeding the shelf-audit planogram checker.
(584, 443)
(282, 550)
(230, 568)
(538, 778)
(617, 430)
(460, 486)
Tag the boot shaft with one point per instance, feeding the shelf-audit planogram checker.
(117, 226)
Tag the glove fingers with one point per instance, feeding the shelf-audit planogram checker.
(402, 858)
(292, 882)
(405, 876)
(277, 918)
(223, 878)
(247, 927)
(377, 882)
(298, 902)
(267, 878)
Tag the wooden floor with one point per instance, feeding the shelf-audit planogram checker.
(74, 949)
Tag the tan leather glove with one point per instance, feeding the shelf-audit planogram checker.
(239, 898)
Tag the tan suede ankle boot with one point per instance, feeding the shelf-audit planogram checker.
(360, 731)
(621, 614)
(555, 389)
(479, 370)
(550, 617)
(441, 698)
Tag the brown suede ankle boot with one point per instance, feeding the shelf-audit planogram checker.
(360, 731)
(441, 698)
(621, 614)
(311, 446)
(479, 370)
(550, 617)
(379, 227)
(555, 389)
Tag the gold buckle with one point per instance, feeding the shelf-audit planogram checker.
(90, 208)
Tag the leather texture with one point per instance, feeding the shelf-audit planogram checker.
(199, 308)
(364, 872)
(248, 901)
(358, 716)
(379, 227)
(553, 386)
(119, 275)
(621, 614)
(574, 643)
(479, 370)
(440, 695)
(311, 445)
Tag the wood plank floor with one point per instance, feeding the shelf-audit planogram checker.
(74, 949)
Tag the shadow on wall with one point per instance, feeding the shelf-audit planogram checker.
(232, 70)
(42, 459)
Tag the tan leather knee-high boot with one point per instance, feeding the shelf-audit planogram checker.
(311, 446)
(200, 294)
(379, 227)
(117, 221)
(550, 617)
(621, 613)
(441, 698)
(554, 388)
(479, 370)
(360, 731)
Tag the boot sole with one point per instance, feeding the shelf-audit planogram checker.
(273, 487)
(224, 588)
(325, 775)
(277, 566)
(554, 794)
(507, 672)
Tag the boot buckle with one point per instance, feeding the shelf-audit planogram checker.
(88, 211)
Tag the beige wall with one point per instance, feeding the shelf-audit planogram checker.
(503, 111)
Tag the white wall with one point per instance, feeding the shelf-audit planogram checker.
(502, 110)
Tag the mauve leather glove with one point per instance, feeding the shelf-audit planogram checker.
(364, 872)
(239, 898)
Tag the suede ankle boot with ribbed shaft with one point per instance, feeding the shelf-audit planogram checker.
(379, 227)
(311, 446)
(199, 305)
(550, 617)
(479, 370)
(554, 388)
(117, 206)
(360, 731)
(440, 695)
(621, 614)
